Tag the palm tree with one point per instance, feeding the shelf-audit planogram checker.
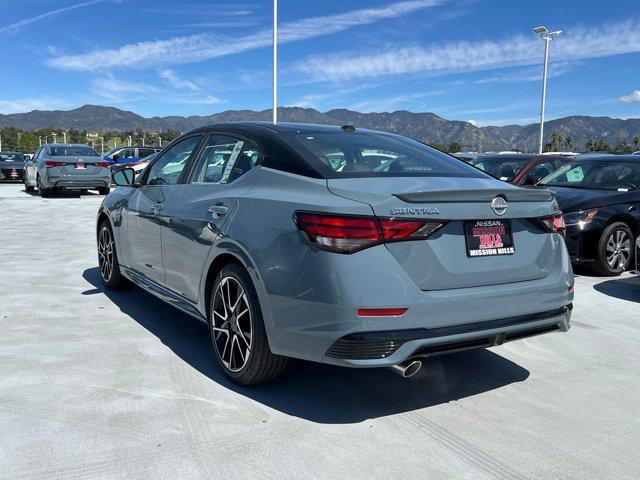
(636, 141)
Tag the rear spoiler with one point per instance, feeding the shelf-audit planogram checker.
(477, 196)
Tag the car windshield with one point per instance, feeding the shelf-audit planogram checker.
(109, 152)
(597, 175)
(71, 151)
(12, 157)
(503, 168)
(370, 154)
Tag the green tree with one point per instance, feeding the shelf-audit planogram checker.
(455, 147)
(636, 141)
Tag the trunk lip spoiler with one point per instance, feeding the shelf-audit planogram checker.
(476, 196)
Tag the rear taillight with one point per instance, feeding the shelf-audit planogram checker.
(51, 164)
(381, 312)
(554, 223)
(349, 234)
(103, 164)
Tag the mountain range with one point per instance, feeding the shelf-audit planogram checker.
(425, 127)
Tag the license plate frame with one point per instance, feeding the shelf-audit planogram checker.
(488, 238)
(81, 166)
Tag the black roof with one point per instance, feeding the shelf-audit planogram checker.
(609, 157)
(279, 127)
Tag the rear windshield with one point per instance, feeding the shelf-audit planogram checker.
(503, 168)
(73, 152)
(12, 157)
(369, 154)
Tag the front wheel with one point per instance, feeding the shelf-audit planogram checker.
(614, 249)
(237, 330)
(104, 190)
(108, 259)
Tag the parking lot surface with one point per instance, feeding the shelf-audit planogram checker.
(119, 385)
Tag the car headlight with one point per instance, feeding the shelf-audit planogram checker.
(581, 218)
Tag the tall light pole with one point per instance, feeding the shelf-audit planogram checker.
(54, 137)
(64, 137)
(275, 61)
(548, 37)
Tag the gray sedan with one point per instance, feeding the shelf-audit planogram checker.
(58, 166)
(336, 245)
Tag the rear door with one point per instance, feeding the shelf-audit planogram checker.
(196, 211)
(144, 217)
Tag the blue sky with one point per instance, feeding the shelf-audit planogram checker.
(473, 60)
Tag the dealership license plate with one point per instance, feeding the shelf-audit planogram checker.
(80, 166)
(14, 174)
(488, 238)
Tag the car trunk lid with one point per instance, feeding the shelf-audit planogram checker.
(78, 165)
(442, 261)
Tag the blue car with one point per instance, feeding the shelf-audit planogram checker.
(125, 155)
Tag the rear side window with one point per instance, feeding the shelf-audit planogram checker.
(370, 154)
(145, 152)
(225, 159)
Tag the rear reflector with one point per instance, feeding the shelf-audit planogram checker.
(554, 223)
(381, 312)
(350, 233)
(570, 288)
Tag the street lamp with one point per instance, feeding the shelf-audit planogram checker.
(548, 37)
(275, 61)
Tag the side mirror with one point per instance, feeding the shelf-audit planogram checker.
(124, 177)
(115, 157)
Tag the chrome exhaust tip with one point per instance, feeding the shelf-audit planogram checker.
(407, 369)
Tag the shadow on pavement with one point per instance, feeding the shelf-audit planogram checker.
(316, 392)
(626, 288)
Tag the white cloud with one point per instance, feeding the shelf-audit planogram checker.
(176, 82)
(473, 122)
(577, 43)
(634, 97)
(29, 104)
(528, 74)
(207, 100)
(19, 25)
(194, 48)
(108, 86)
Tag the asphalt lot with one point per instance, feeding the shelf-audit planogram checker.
(119, 385)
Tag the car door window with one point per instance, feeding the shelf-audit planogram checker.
(543, 169)
(144, 152)
(128, 153)
(168, 168)
(225, 159)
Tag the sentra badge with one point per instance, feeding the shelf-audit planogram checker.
(414, 211)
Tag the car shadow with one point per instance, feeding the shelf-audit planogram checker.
(625, 288)
(316, 392)
(65, 193)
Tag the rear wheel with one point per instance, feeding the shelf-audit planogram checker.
(108, 258)
(44, 192)
(237, 330)
(614, 249)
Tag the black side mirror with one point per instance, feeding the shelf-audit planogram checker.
(124, 177)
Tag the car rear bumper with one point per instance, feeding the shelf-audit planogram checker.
(78, 183)
(393, 347)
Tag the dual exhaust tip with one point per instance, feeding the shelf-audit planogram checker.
(407, 369)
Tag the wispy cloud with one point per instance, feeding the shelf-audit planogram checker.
(578, 43)
(19, 25)
(528, 74)
(634, 97)
(172, 79)
(110, 85)
(28, 104)
(207, 100)
(195, 48)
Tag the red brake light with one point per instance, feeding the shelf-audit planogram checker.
(381, 312)
(52, 163)
(349, 234)
(554, 223)
(103, 164)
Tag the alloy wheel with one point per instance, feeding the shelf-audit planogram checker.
(105, 254)
(618, 249)
(231, 324)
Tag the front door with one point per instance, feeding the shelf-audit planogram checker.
(144, 219)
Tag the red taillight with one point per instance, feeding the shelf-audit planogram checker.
(51, 164)
(103, 164)
(570, 288)
(381, 312)
(348, 234)
(554, 223)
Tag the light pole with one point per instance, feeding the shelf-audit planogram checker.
(548, 37)
(159, 141)
(54, 137)
(275, 61)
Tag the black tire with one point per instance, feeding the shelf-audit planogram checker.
(258, 364)
(108, 259)
(28, 188)
(44, 192)
(615, 250)
(104, 190)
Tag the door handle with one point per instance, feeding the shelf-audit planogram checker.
(218, 211)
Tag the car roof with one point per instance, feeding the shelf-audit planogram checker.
(279, 127)
(67, 145)
(590, 158)
(511, 156)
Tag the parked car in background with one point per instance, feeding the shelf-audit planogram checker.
(137, 167)
(466, 156)
(58, 166)
(12, 166)
(600, 199)
(335, 245)
(127, 155)
(519, 168)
